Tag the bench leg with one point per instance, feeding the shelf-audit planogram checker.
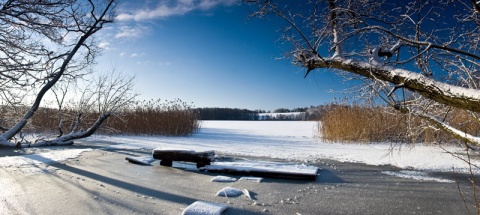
(166, 163)
(202, 164)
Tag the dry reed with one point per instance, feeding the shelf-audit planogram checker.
(369, 124)
(154, 117)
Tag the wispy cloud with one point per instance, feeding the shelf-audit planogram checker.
(137, 55)
(131, 31)
(167, 8)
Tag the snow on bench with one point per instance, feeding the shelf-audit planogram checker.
(264, 169)
(168, 155)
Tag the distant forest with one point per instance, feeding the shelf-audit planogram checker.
(296, 114)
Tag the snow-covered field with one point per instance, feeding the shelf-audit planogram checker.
(295, 141)
(290, 140)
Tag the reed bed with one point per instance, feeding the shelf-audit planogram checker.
(153, 117)
(369, 124)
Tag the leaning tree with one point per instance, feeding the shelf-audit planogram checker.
(43, 43)
(420, 57)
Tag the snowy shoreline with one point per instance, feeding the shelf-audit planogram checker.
(295, 141)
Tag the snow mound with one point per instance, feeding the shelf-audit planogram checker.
(204, 208)
(416, 175)
(221, 178)
(229, 192)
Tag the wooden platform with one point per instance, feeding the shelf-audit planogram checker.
(264, 169)
(167, 156)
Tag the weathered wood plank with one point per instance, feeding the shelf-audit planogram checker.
(264, 169)
(201, 158)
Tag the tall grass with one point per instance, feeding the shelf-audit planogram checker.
(368, 123)
(170, 118)
(153, 117)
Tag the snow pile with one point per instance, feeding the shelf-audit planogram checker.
(204, 208)
(421, 176)
(229, 192)
(221, 178)
(294, 140)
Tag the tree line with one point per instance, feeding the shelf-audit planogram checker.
(297, 114)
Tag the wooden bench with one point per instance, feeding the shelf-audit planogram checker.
(167, 156)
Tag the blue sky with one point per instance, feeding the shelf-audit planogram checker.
(210, 53)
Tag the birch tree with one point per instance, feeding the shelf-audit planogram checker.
(43, 43)
(422, 57)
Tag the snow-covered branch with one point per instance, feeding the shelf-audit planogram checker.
(442, 125)
(448, 94)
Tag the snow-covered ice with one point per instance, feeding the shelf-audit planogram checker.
(421, 176)
(204, 208)
(40, 158)
(37, 163)
(295, 141)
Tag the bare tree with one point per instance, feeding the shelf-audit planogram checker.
(105, 95)
(42, 42)
(422, 57)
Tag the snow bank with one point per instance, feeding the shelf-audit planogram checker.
(294, 140)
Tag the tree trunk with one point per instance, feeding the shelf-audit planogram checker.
(68, 139)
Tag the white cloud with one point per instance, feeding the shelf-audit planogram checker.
(208, 4)
(131, 32)
(137, 55)
(122, 54)
(104, 45)
(172, 8)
